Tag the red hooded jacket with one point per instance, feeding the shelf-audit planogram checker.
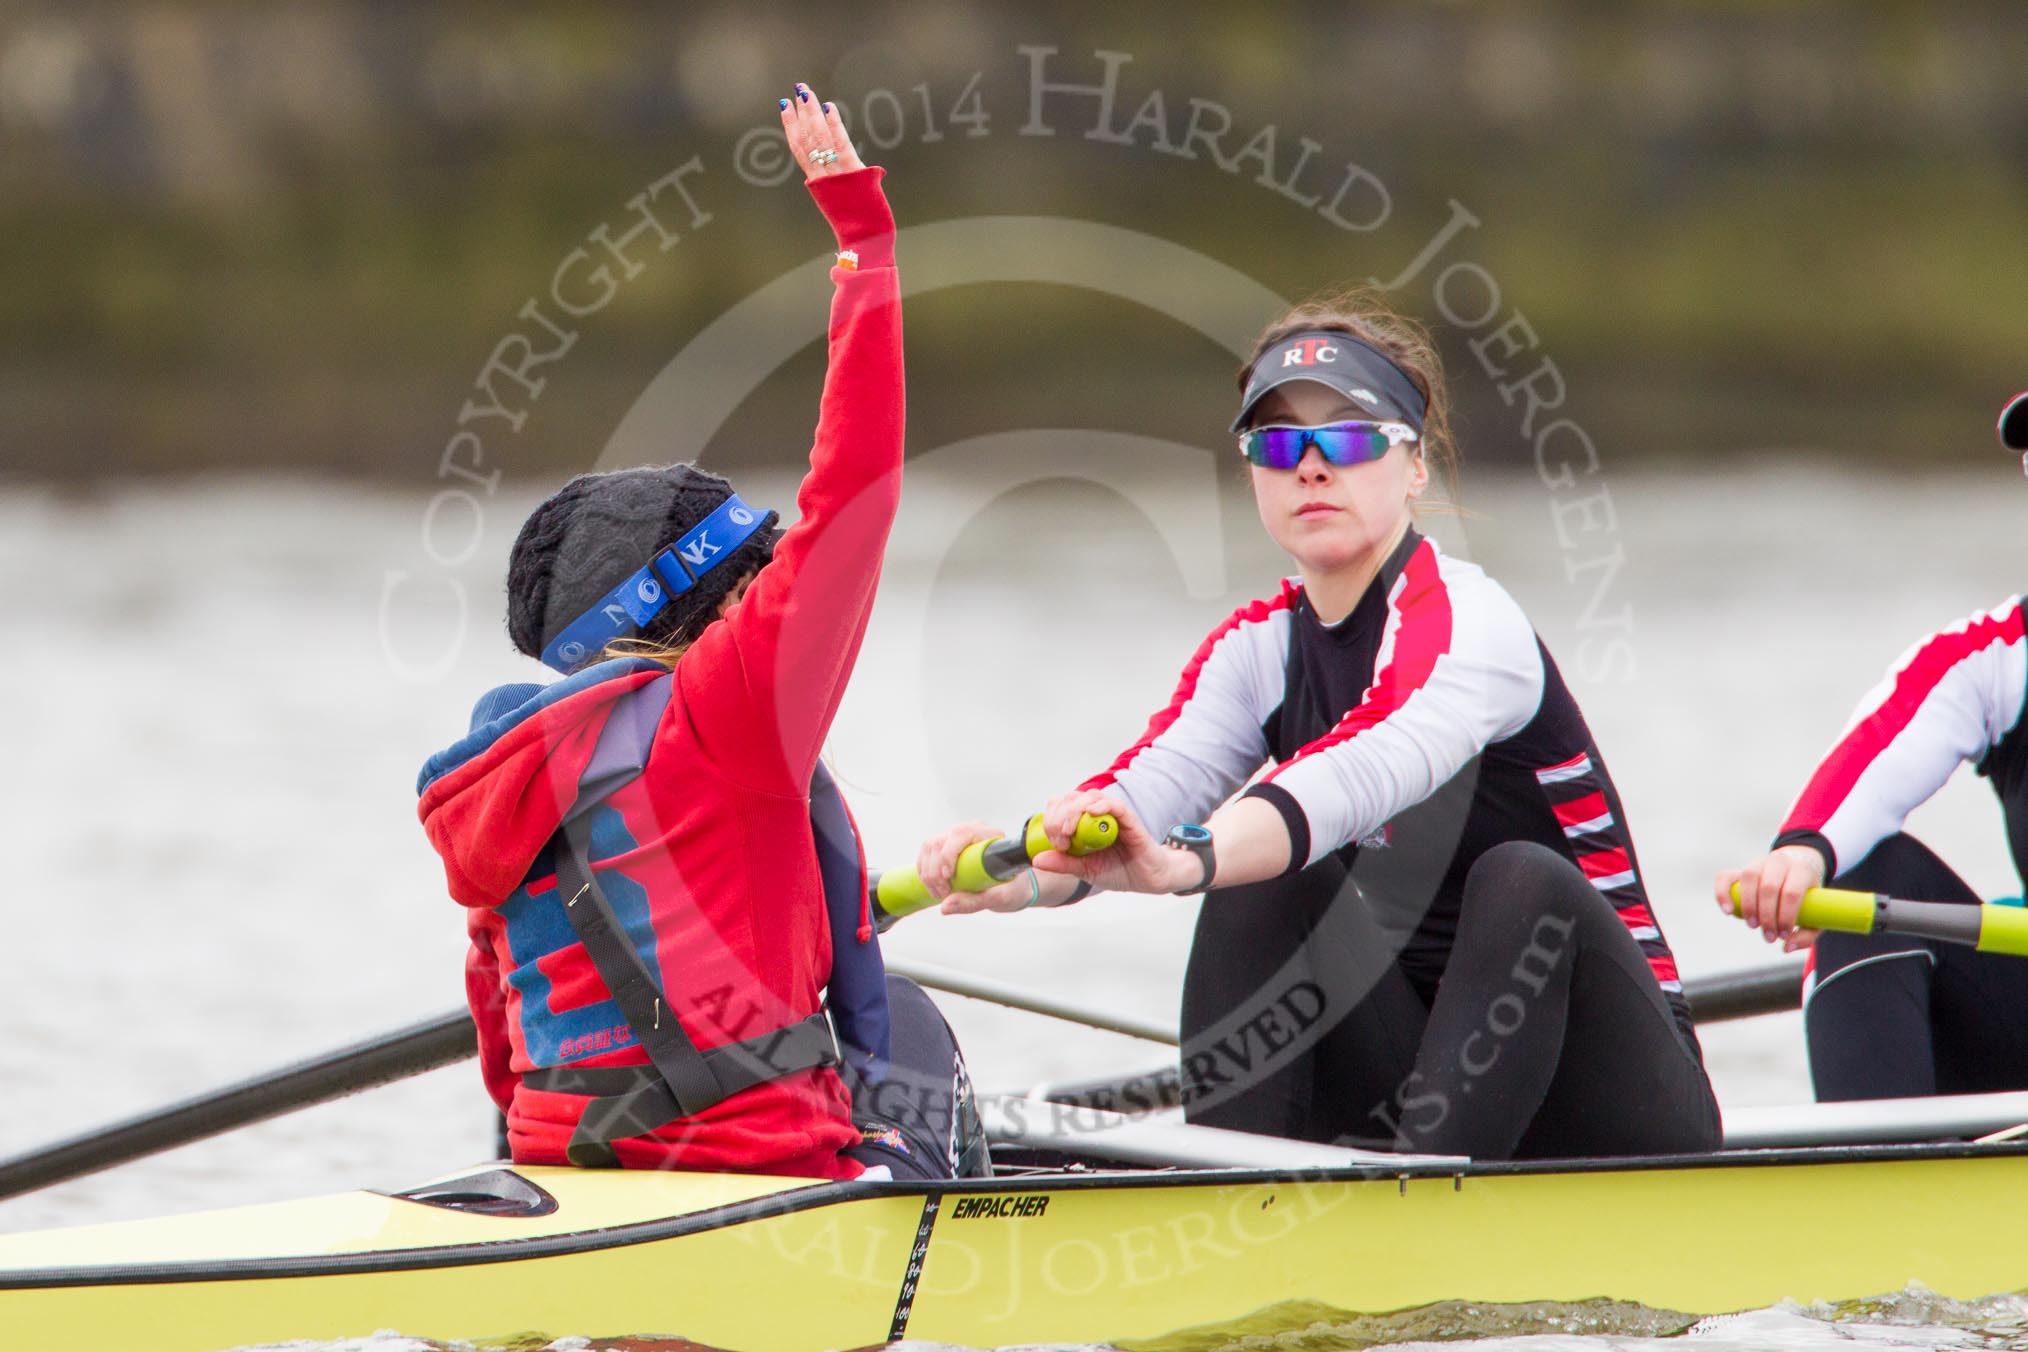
(707, 855)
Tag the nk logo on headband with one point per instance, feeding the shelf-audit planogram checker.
(697, 549)
(1310, 351)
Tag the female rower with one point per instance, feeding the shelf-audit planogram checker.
(659, 878)
(1887, 1016)
(1425, 927)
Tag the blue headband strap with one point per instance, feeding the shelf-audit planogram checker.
(629, 608)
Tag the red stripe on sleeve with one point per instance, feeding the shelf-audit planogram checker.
(1604, 863)
(1664, 967)
(1423, 636)
(1254, 612)
(1588, 808)
(1638, 916)
(1834, 778)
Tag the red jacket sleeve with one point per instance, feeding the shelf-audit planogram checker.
(763, 687)
(489, 1016)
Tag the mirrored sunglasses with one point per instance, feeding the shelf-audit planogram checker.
(1340, 443)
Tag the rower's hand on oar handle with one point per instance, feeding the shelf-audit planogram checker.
(936, 863)
(1768, 893)
(1136, 862)
(973, 867)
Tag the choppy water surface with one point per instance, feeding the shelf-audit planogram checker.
(1915, 1318)
(222, 692)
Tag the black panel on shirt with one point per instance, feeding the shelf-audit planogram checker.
(1412, 871)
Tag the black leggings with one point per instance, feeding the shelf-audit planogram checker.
(919, 1118)
(1548, 1036)
(1894, 1017)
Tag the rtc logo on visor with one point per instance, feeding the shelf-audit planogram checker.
(1310, 351)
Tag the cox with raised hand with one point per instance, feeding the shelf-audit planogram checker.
(817, 137)
(747, 1024)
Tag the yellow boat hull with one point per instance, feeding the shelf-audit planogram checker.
(760, 1263)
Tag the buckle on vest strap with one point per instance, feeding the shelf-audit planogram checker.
(635, 1100)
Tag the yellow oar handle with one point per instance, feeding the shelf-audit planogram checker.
(1831, 908)
(2003, 929)
(1988, 927)
(1089, 836)
(899, 892)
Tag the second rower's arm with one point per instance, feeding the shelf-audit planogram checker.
(1948, 702)
(1479, 678)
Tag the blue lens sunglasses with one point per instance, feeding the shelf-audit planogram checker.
(1340, 443)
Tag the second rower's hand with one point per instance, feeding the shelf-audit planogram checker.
(1249, 840)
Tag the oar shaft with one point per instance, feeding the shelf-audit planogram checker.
(449, 1038)
(425, 1046)
(441, 1041)
(1099, 1134)
(1874, 1120)
(1014, 997)
(1745, 994)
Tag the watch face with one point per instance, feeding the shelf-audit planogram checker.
(1190, 835)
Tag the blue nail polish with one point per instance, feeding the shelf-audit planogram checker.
(803, 94)
(829, 108)
(785, 105)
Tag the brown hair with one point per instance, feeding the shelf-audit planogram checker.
(666, 653)
(1365, 313)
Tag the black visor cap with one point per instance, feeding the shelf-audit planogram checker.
(2014, 423)
(1357, 370)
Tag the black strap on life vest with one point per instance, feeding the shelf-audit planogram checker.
(683, 1081)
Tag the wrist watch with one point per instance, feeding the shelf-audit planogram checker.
(1197, 840)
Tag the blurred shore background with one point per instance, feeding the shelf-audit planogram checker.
(287, 236)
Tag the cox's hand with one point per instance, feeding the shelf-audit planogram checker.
(816, 137)
(1137, 862)
(1771, 893)
(938, 859)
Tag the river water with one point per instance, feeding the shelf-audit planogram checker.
(223, 689)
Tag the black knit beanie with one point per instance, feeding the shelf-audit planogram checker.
(597, 529)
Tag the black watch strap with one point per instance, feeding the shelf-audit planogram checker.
(1197, 840)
